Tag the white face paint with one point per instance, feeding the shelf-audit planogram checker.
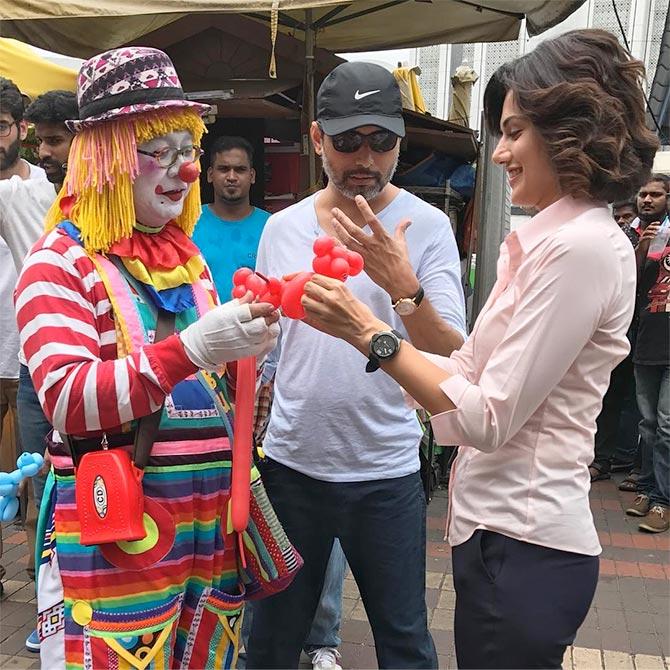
(158, 192)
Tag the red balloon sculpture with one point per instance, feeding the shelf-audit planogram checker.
(330, 260)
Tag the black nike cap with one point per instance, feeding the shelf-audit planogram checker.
(359, 94)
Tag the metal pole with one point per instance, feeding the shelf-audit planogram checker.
(493, 225)
(309, 92)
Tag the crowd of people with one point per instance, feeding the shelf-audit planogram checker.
(125, 345)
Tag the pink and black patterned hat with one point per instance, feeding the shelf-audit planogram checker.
(128, 80)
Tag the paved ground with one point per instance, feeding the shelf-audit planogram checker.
(627, 628)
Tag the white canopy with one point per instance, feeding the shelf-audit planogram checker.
(82, 27)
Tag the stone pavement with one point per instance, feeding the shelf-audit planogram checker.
(627, 628)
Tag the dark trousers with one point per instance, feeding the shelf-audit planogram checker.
(381, 526)
(518, 605)
(608, 424)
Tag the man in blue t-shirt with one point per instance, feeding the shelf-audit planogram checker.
(229, 229)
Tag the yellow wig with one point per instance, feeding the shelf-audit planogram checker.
(102, 167)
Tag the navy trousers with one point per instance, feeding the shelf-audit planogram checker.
(381, 526)
(518, 605)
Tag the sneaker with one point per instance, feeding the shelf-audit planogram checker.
(640, 505)
(325, 658)
(33, 642)
(656, 521)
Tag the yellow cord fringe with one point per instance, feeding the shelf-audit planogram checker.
(102, 167)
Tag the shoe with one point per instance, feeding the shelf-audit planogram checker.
(656, 521)
(325, 658)
(33, 642)
(640, 505)
(629, 484)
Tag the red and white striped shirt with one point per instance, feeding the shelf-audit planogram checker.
(68, 337)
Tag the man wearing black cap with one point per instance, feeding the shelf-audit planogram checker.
(341, 447)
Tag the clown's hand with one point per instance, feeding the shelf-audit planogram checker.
(229, 332)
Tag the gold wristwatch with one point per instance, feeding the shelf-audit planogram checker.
(407, 306)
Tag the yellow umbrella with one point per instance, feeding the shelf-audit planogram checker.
(32, 73)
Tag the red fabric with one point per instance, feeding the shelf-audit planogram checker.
(169, 361)
(166, 250)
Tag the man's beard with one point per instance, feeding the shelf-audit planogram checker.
(649, 217)
(10, 155)
(368, 192)
(231, 199)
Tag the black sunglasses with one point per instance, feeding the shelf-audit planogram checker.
(351, 141)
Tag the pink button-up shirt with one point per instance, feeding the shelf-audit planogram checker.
(529, 381)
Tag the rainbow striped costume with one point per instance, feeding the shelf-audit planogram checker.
(174, 599)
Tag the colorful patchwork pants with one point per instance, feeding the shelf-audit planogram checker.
(172, 600)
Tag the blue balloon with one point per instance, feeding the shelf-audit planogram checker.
(28, 466)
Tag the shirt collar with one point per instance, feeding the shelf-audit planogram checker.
(550, 219)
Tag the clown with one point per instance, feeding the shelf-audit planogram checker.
(120, 324)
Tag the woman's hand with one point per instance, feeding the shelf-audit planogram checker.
(331, 308)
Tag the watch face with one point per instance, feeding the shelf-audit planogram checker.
(384, 345)
(405, 307)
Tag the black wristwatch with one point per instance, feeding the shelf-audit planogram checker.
(407, 306)
(383, 347)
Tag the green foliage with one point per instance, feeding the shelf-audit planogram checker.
(29, 147)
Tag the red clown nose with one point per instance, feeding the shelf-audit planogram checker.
(188, 172)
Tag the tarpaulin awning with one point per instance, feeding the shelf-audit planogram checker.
(32, 73)
(82, 28)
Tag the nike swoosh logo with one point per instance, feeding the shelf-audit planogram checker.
(360, 96)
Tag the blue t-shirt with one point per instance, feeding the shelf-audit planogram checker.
(228, 245)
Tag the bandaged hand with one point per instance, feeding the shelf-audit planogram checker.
(229, 332)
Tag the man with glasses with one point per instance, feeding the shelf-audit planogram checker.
(18, 178)
(23, 205)
(13, 130)
(341, 449)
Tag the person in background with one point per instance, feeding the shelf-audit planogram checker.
(609, 440)
(24, 197)
(624, 213)
(13, 130)
(25, 203)
(522, 394)
(229, 229)
(652, 359)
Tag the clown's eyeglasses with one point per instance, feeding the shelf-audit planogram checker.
(351, 141)
(167, 157)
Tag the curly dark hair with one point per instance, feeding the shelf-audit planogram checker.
(582, 91)
(11, 100)
(53, 107)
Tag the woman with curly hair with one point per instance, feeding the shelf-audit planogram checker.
(522, 395)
